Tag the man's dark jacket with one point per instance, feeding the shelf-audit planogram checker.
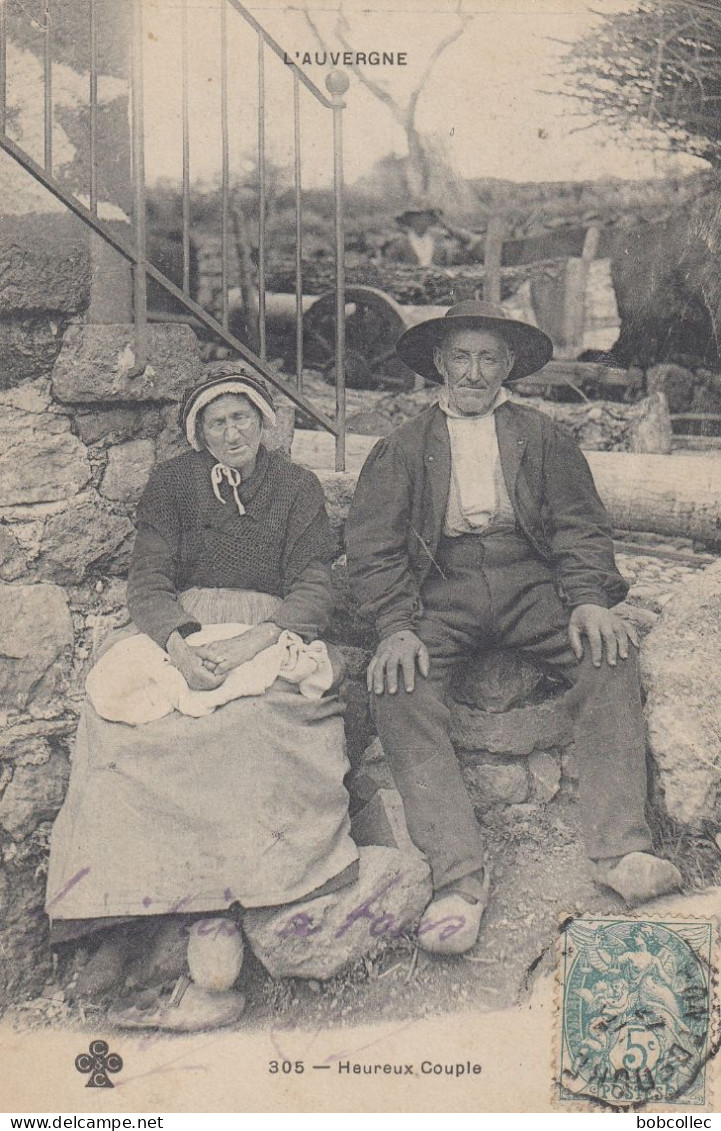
(396, 517)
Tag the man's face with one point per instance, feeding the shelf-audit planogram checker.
(231, 429)
(474, 364)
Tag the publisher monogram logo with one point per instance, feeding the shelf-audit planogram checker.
(98, 1062)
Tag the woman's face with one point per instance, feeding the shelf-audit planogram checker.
(231, 428)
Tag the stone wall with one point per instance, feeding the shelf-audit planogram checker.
(77, 443)
(78, 437)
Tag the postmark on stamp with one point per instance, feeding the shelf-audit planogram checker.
(636, 1010)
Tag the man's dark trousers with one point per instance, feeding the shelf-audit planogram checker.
(488, 591)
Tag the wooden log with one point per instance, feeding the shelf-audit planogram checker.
(677, 495)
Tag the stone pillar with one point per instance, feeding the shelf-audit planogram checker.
(53, 267)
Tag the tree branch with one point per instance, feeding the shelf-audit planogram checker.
(464, 19)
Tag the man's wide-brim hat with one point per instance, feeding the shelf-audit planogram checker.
(532, 348)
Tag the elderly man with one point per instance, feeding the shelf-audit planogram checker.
(476, 525)
(426, 238)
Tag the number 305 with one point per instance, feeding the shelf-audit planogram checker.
(286, 1066)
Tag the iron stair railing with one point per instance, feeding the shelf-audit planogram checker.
(134, 250)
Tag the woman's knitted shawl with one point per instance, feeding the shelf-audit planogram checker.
(188, 537)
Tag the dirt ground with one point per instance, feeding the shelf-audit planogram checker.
(539, 878)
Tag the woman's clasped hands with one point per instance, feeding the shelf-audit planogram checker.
(205, 666)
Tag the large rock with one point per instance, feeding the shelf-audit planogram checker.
(544, 768)
(496, 681)
(34, 795)
(516, 732)
(40, 459)
(316, 938)
(96, 364)
(36, 631)
(681, 664)
(127, 472)
(495, 782)
(82, 535)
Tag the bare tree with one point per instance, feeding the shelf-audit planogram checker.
(422, 154)
(657, 67)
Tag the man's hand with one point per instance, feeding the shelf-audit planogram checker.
(198, 675)
(402, 649)
(604, 630)
(224, 655)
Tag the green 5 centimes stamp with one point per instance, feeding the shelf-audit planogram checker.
(636, 1011)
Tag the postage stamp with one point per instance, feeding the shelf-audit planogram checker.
(636, 1011)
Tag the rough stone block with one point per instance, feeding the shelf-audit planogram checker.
(127, 472)
(280, 438)
(44, 264)
(170, 442)
(96, 362)
(681, 666)
(497, 681)
(80, 536)
(382, 821)
(370, 773)
(495, 783)
(36, 630)
(35, 794)
(12, 558)
(28, 348)
(338, 487)
(516, 732)
(545, 770)
(116, 425)
(40, 459)
(317, 938)
(569, 766)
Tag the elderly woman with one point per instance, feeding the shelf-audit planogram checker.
(201, 783)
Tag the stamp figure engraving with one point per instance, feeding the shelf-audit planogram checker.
(635, 1011)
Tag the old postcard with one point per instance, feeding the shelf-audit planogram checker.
(359, 557)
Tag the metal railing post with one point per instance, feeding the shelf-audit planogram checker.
(140, 288)
(186, 143)
(262, 343)
(337, 84)
(93, 108)
(225, 166)
(47, 88)
(3, 65)
(298, 198)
